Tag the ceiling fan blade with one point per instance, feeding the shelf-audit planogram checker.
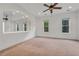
(51, 11)
(45, 10)
(54, 4)
(57, 7)
(46, 5)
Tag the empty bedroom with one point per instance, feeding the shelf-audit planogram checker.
(39, 29)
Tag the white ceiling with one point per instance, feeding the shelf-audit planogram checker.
(34, 9)
(37, 8)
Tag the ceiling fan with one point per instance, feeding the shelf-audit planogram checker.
(51, 7)
(5, 18)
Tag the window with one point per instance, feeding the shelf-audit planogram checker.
(25, 27)
(65, 26)
(46, 26)
(11, 27)
(17, 27)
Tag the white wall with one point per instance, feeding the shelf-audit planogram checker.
(7, 40)
(36, 27)
(55, 26)
(77, 24)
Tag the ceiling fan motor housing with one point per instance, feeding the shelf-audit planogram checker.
(5, 18)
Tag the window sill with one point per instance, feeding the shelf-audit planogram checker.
(15, 32)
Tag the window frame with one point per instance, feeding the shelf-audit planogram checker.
(46, 25)
(66, 25)
(16, 31)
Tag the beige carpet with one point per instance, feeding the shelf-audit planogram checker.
(44, 47)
